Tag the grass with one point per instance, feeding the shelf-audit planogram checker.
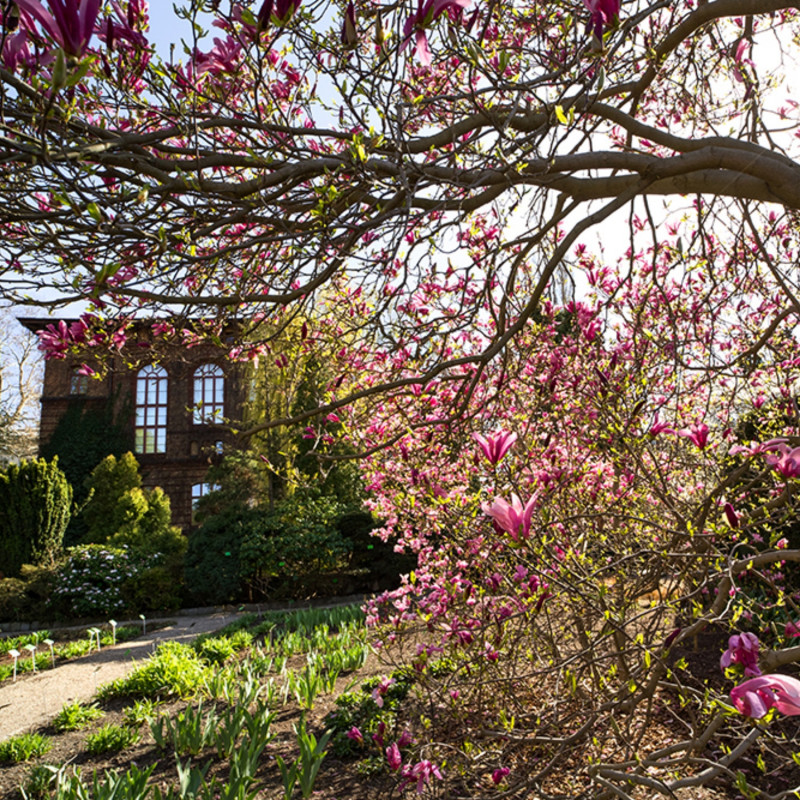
(24, 747)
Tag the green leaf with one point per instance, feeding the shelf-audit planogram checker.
(601, 79)
(59, 70)
(561, 116)
(80, 73)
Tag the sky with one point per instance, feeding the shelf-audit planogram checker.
(166, 28)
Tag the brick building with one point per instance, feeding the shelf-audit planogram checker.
(172, 409)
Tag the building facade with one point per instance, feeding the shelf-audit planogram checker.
(174, 409)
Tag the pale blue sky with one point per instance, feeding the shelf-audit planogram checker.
(166, 28)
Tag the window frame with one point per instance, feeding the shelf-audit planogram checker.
(205, 489)
(152, 398)
(78, 383)
(208, 393)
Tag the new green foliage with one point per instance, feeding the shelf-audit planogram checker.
(24, 747)
(35, 509)
(120, 512)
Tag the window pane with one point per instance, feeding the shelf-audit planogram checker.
(151, 410)
(209, 394)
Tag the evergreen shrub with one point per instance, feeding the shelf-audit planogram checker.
(119, 512)
(35, 508)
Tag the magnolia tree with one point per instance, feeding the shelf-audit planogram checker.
(548, 252)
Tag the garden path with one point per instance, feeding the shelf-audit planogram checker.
(33, 700)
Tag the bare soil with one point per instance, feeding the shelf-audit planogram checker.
(337, 779)
(24, 705)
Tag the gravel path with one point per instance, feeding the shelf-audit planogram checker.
(35, 699)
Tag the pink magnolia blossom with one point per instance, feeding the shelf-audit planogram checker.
(16, 51)
(757, 449)
(355, 734)
(223, 58)
(742, 649)
(349, 35)
(786, 462)
(755, 697)
(405, 739)
(739, 73)
(697, 434)
(602, 14)
(791, 630)
(377, 737)
(124, 28)
(659, 427)
(393, 757)
(278, 12)
(69, 22)
(495, 446)
(56, 340)
(513, 518)
(427, 12)
(380, 690)
(499, 775)
(420, 773)
(731, 515)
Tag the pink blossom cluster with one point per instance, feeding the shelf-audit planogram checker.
(742, 651)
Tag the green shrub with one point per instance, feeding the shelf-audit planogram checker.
(111, 739)
(24, 747)
(218, 648)
(26, 597)
(13, 600)
(83, 437)
(35, 508)
(90, 582)
(157, 588)
(215, 650)
(119, 512)
(283, 553)
(111, 505)
(75, 716)
(384, 566)
(212, 559)
(301, 546)
(140, 712)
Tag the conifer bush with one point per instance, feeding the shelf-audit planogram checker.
(120, 512)
(35, 509)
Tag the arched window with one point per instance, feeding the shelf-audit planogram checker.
(209, 394)
(151, 410)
